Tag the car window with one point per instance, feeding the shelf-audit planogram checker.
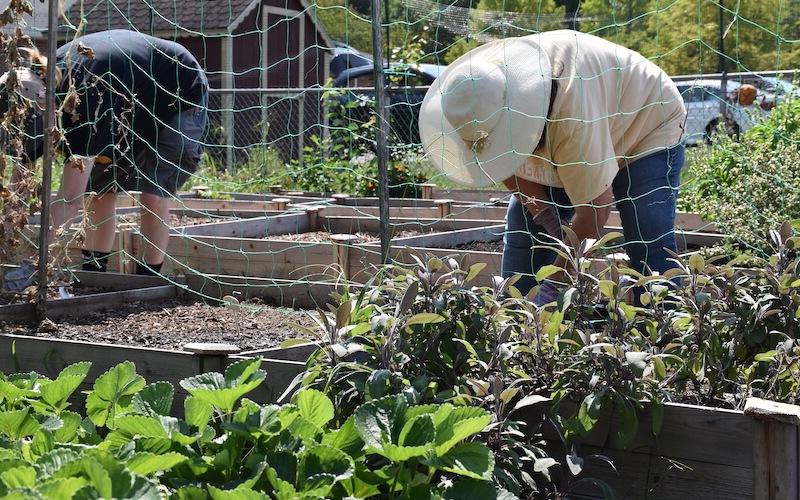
(710, 94)
(692, 94)
(366, 80)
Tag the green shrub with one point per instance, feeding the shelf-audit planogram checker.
(750, 186)
(425, 332)
(263, 169)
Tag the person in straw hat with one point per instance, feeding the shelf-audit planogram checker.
(573, 125)
(133, 113)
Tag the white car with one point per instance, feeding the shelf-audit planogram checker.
(703, 102)
(778, 86)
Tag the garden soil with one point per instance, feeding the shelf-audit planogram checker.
(173, 323)
(482, 246)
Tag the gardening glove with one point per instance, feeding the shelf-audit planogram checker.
(21, 278)
(548, 292)
(548, 219)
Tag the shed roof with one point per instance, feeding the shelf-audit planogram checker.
(166, 16)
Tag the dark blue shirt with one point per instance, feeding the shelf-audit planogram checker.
(128, 84)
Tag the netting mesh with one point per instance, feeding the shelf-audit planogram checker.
(289, 163)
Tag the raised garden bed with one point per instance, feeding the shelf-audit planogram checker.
(171, 323)
(700, 452)
(301, 245)
(22, 353)
(150, 327)
(305, 245)
(95, 291)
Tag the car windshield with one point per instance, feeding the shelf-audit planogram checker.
(781, 87)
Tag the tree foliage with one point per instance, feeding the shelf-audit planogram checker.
(680, 35)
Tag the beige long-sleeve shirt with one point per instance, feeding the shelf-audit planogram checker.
(612, 106)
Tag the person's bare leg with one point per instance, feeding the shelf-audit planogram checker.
(69, 199)
(101, 222)
(154, 227)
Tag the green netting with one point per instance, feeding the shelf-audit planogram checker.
(287, 120)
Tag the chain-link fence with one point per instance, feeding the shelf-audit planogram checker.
(278, 119)
(242, 121)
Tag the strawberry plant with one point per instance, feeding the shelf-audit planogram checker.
(227, 446)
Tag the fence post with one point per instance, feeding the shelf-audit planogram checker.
(211, 356)
(445, 207)
(776, 450)
(341, 251)
(301, 136)
(383, 122)
(47, 160)
(426, 190)
(228, 100)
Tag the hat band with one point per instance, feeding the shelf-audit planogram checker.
(478, 145)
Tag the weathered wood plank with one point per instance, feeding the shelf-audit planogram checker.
(126, 288)
(118, 281)
(451, 239)
(252, 250)
(217, 212)
(285, 293)
(697, 433)
(783, 463)
(761, 460)
(688, 432)
(250, 257)
(354, 201)
(256, 269)
(261, 197)
(477, 212)
(48, 356)
(679, 480)
(83, 304)
(295, 353)
(255, 227)
(480, 195)
(18, 313)
(350, 225)
(772, 411)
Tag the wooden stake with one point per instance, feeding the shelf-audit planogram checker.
(775, 449)
(279, 204)
(313, 218)
(211, 348)
(445, 207)
(341, 251)
(427, 191)
(341, 198)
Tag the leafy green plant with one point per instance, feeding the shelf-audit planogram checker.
(227, 446)
(427, 334)
(705, 332)
(748, 186)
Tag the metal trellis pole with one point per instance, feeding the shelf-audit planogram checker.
(723, 87)
(47, 160)
(382, 115)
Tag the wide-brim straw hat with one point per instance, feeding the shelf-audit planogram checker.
(484, 115)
